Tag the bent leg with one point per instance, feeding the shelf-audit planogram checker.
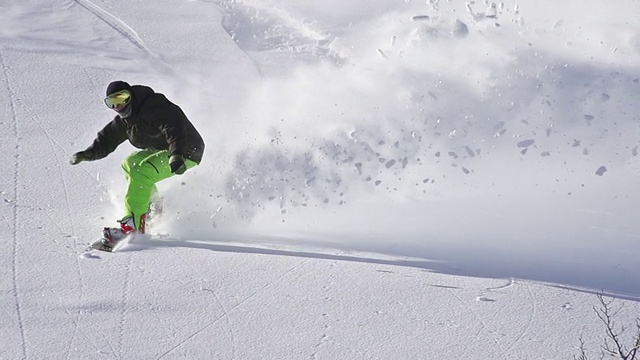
(143, 169)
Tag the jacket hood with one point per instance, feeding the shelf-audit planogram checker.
(140, 94)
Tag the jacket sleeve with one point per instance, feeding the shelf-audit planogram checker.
(108, 139)
(174, 129)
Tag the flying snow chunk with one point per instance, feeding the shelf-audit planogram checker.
(601, 170)
(525, 143)
(390, 163)
(420, 18)
(491, 12)
(460, 29)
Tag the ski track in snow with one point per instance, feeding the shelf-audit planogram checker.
(126, 31)
(71, 317)
(14, 204)
(116, 24)
(484, 330)
(55, 147)
(126, 295)
(525, 329)
(487, 325)
(59, 161)
(217, 298)
(225, 314)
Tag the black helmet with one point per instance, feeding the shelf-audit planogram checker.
(120, 98)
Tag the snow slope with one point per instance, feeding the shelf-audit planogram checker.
(383, 180)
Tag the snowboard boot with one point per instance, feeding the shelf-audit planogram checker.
(113, 235)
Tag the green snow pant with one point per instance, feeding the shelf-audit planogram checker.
(143, 169)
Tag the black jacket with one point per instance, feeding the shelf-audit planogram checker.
(155, 123)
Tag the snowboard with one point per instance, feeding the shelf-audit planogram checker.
(154, 214)
(124, 242)
(98, 245)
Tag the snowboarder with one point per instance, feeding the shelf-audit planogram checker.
(169, 144)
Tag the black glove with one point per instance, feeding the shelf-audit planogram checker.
(177, 165)
(80, 156)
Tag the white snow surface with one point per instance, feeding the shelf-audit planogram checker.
(389, 179)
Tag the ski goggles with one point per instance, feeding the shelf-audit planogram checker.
(118, 99)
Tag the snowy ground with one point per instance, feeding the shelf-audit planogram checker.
(383, 180)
